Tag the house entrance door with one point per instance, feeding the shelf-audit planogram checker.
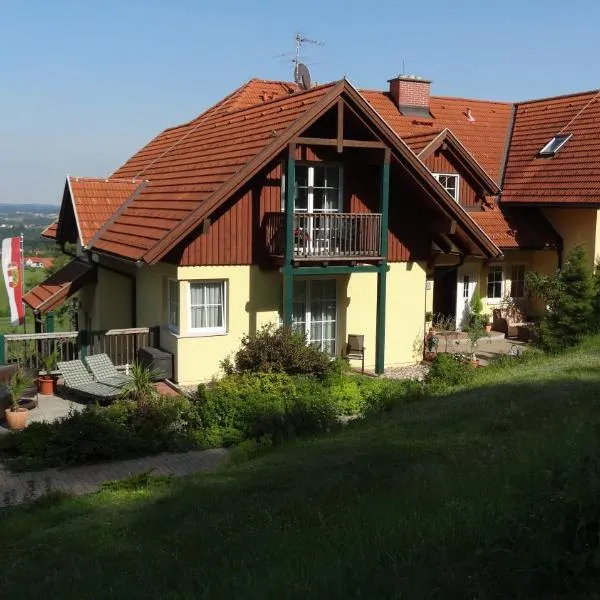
(465, 288)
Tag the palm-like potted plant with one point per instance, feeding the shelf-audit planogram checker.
(16, 415)
(140, 387)
(47, 381)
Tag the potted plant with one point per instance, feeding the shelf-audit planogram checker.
(431, 344)
(475, 331)
(16, 415)
(47, 381)
(428, 320)
(487, 324)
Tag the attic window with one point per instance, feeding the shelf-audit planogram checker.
(555, 144)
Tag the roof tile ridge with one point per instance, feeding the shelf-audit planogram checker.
(261, 105)
(559, 97)
(438, 97)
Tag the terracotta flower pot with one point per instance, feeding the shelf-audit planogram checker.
(46, 385)
(16, 419)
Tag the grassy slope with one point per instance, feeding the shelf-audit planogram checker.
(456, 497)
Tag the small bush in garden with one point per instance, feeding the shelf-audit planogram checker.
(449, 370)
(346, 394)
(569, 297)
(278, 350)
(380, 395)
(121, 430)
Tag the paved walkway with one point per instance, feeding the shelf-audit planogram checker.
(24, 487)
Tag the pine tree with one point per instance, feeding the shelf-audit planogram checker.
(570, 305)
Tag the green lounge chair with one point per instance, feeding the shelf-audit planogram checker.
(104, 371)
(79, 380)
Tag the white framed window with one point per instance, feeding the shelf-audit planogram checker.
(208, 307)
(517, 281)
(173, 304)
(450, 182)
(318, 188)
(314, 312)
(495, 281)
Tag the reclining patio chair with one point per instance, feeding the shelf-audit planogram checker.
(79, 381)
(104, 371)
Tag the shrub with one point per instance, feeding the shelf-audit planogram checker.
(449, 370)
(278, 350)
(381, 395)
(346, 395)
(121, 430)
(251, 405)
(569, 297)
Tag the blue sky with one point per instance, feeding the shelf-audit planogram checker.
(83, 84)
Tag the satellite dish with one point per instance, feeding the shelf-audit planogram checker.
(302, 76)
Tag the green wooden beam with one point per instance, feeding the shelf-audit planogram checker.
(288, 271)
(336, 270)
(383, 269)
(2, 349)
(50, 322)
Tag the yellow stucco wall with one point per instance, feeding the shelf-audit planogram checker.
(577, 226)
(542, 261)
(107, 303)
(253, 299)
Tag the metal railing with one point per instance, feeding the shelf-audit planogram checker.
(28, 350)
(323, 235)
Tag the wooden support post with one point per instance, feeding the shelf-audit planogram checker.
(382, 273)
(340, 125)
(50, 322)
(2, 349)
(288, 269)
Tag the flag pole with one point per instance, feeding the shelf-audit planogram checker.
(22, 282)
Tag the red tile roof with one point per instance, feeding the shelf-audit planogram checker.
(96, 200)
(187, 169)
(485, 137)
(419, 141)
(45, 261)
(573, 174)
(59, 286)
(525, 228)
(50, 231)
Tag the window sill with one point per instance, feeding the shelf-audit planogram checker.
(194, 334)
(494, 301)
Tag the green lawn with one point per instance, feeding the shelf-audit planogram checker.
(490, 492)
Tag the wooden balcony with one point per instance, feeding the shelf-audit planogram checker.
(324, 237)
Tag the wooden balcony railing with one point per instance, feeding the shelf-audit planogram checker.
(326, 235)
(27, 350)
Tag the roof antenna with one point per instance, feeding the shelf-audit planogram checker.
(301, 72)
(403, 69)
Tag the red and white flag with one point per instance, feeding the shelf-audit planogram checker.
(12, 269)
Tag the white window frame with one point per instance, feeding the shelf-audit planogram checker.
(547, 150)
(207, 331)
(495, 299)
(308, 314)
(523, 280)
(174, 327)
(311, 178)
(456, 177)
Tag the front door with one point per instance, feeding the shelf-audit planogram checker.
(465, 288)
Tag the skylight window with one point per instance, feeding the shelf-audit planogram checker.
(555, 144)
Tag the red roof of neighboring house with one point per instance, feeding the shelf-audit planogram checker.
(43, 260)
(59, 286)
(525, 228)
(50, 231)
(485, 137)
(573, 174)
(96, 200)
